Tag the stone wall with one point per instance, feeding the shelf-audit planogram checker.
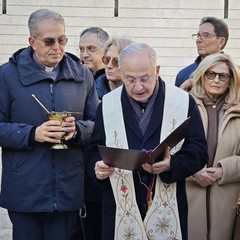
(165, 25)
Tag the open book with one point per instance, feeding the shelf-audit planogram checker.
(131, 159)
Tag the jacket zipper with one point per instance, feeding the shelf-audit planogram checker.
(55, 206)
(52, 96)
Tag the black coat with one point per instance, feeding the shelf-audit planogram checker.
(188, 160)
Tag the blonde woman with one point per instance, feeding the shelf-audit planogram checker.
(213, 191)
(112, 77)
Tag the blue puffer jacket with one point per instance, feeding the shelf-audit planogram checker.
(36, 178)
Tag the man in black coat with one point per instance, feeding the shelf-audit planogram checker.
(152, 203)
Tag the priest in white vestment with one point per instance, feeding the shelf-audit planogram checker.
(149, 203)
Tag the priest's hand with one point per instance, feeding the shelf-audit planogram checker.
(102, 170)
(161, 166)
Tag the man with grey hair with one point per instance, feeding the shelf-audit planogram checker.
(212, 37)
(91, 43)
(149, 203)
(42, 188)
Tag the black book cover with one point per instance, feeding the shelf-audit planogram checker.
(131, 159)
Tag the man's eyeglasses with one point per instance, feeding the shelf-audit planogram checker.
(223, 77)
(142, 80)
(48, 42)
(204, 35)
(90, 49)
(106, 60)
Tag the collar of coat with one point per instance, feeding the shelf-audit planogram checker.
(71, 68)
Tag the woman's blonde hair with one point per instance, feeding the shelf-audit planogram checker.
(119, 42)
(208, 62)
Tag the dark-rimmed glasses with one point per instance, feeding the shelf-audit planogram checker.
(223, 77)
(106, 60)
(48, 42)
(204, 35)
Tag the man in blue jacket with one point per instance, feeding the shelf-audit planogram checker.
(211, 38)
(42, 187)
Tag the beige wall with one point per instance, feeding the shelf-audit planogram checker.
(166, 25)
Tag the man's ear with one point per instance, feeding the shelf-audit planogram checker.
(158, 69)
(31, 41)
(222, 42)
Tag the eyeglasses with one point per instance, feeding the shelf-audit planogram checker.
(223, 77)
(48, 42)
(90, 49)
(143, 80)
(204, 35)
(106, 60)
